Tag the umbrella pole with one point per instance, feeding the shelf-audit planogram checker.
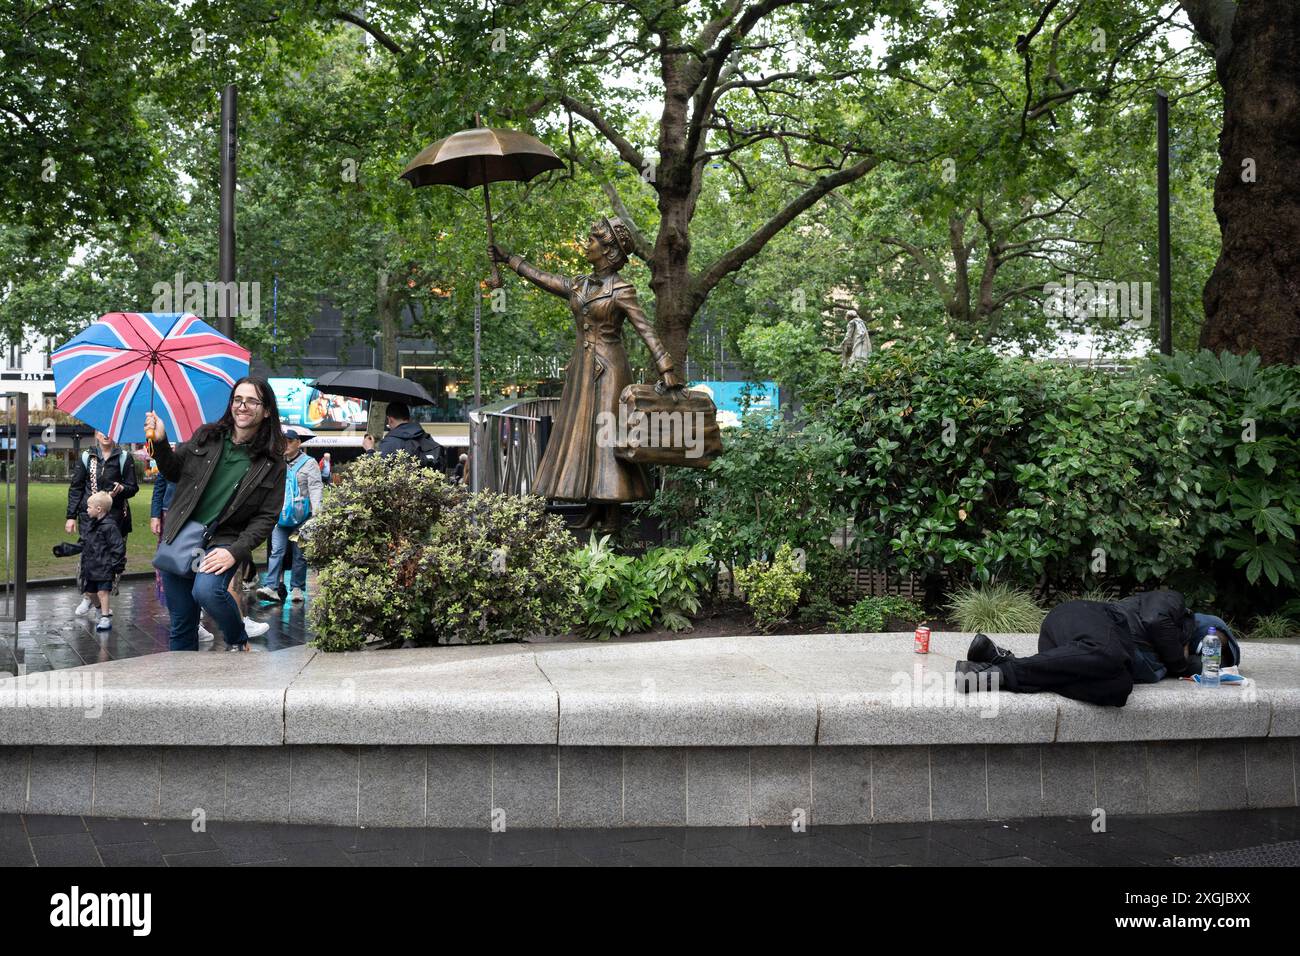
(149, 435)
(495, 281)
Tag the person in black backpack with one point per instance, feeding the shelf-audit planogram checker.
(406, 435)
(105, 467)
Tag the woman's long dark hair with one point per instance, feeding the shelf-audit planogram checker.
(268, 440)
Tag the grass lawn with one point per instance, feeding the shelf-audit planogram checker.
(48, 503)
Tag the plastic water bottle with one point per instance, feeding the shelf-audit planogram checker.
(1211, 654)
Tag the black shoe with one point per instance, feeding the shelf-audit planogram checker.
(978, 676)
(982, 650)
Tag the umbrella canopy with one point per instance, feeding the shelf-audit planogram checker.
(476, 156)
(129, 363)
(373, 384)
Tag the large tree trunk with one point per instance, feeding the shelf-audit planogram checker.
(670, 275)
(1252, 300)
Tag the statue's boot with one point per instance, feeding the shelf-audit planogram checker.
(590, 517)
(613, 519)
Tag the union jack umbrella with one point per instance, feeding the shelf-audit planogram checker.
(130, 363)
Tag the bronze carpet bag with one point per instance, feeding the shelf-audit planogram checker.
(659, 426)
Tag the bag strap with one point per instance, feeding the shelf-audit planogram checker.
(291, 476)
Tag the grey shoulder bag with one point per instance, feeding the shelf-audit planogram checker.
(184, 553)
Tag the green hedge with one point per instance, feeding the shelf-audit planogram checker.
(954, 459)
(1179, 472)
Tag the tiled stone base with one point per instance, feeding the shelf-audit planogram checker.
(545, 786)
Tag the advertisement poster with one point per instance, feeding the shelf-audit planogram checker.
(729, 397)
(300, 404)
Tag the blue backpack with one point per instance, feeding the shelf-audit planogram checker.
(297, 506)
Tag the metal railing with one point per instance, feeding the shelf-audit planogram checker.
(511, 438)
(15, 456)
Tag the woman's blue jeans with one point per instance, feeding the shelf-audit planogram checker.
(186, 597)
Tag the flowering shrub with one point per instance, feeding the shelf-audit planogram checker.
(404, 555)
(771, 589)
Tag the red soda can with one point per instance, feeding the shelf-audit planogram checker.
(923, 640)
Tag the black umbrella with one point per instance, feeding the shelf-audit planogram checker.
(373, 384)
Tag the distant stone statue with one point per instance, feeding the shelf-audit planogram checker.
(857, 341)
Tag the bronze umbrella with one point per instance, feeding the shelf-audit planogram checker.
(476, 157)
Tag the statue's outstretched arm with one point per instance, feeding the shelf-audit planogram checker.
(550, 281)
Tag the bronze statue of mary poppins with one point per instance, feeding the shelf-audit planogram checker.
(578, 465)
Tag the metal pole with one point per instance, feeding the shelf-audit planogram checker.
(1162, 191)
(23, 455)
(476, 479)
(226, 236)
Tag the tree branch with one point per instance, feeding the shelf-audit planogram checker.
(383, 38)
(626, 151)
(715, 59)
(737, 256)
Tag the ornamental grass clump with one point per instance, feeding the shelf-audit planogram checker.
(1273, 627)
(996, 609)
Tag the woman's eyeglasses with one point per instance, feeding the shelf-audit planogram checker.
(245, 403)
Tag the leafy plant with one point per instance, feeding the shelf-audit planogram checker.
(776, 482)
(50, 468)
(496, 568)
(620, 594)
(871, 614)
(675, 577)
(996, 609)
(980, 466)
(1253, 457)
(771, 589)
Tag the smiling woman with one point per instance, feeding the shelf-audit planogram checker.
(229, 488)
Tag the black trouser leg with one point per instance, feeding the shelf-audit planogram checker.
(1082, 654)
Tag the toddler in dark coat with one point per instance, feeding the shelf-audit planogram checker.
(103, 556)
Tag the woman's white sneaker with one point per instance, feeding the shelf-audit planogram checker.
(255, 628)
(84, 606)
(105, 623)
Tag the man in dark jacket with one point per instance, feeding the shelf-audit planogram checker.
(404, 435)
(229, 478)
(105, 467)
(1092, 651)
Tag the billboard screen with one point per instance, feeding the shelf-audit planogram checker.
(728, 397)
(300, 404)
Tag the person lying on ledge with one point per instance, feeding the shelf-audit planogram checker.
(1095, 651)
